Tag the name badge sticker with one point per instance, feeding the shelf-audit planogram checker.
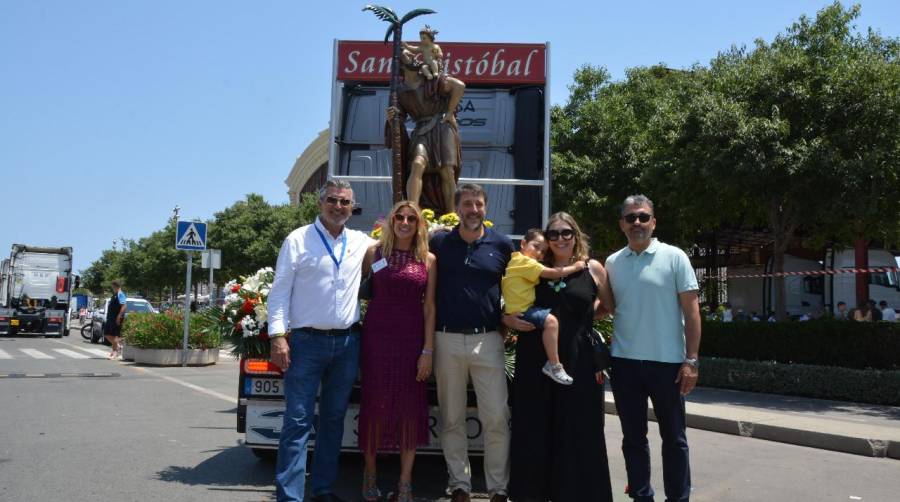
(378, 265)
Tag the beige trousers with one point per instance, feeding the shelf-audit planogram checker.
(457, 357)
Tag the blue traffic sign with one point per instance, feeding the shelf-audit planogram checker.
(190, 236)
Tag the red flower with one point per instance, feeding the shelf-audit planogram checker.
(235, 288)
(247, 307)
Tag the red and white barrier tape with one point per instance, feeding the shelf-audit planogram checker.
(827, 271)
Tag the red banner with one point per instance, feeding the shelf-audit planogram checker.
(473, 63)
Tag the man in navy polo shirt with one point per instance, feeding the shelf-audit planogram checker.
(471, 260)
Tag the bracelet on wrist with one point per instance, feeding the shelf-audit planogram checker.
(427, 352)
(277, 335)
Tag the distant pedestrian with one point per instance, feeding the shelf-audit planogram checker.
(655, 348)
(876, 312)
(841, 314)
(115, 314)
(727, 313)
(887, 313)
(315, 292)
(862, 313)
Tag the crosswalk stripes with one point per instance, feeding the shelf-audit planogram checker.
(72, 354)
(60, 352)
(96, 352)
(37, 354)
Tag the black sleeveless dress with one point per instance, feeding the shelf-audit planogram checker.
(558, 448)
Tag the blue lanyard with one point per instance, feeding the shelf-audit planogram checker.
(331, 251)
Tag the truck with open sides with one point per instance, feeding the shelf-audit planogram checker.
(504, 124)
(35, 287)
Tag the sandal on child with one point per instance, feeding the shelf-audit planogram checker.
(557, 373)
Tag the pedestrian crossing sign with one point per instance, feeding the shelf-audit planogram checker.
(190, 236)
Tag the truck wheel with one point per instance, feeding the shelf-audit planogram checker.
(264, 454)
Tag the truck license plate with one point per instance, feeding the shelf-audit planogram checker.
(14, 322)
(264, 387)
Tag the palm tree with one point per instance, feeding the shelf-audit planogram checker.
(396, 27)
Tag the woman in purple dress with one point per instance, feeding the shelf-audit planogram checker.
(397, 345)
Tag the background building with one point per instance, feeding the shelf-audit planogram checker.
(310, 170)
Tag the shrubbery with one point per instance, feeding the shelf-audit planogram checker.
(166, 331)
(844, 344)
(842, 384)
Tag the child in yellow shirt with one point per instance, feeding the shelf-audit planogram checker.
(523, 273)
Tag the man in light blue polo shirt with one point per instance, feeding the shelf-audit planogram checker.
(656, 341)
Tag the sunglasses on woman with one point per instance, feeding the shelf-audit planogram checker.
(643, 217)
(409, 218)
(554, 235)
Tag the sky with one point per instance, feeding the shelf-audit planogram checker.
(112, 112)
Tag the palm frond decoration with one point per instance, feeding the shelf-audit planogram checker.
(383, 13)
(395, 28)
(415, 13)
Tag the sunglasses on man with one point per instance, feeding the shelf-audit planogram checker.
(642, 217)
(335, 201)
(554, 235)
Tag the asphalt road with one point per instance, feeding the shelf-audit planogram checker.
(135, 433)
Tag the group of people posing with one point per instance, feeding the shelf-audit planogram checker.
(435, 305)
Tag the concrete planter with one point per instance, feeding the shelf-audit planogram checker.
(128, 353)
(172, 357)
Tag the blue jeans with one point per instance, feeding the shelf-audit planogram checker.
(633, 381)
(333, 362)
(536, 316)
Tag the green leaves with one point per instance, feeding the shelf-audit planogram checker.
(383, 13)
(166, 331)
(800, 135)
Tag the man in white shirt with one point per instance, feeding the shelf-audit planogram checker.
(315, 294)
(887, 313)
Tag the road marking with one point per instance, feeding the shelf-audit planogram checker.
(59, 375)
(5, 355)
(37, 354)
(209, 392)
(71, 353)
(96, 352)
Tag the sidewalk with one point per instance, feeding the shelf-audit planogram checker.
(860, 429)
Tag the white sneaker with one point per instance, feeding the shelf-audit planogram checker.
(557, 373)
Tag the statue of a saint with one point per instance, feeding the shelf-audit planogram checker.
(431, 52)
(431, 154)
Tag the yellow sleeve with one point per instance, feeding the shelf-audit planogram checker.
(531, 270)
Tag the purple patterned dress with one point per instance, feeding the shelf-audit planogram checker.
(393, 411)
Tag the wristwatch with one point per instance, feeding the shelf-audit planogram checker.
(692, 361)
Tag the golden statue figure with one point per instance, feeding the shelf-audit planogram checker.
(430, 51)
(431, 155)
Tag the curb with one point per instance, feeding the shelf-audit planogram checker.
(867, 447)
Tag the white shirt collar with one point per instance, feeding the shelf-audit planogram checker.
(326, 232)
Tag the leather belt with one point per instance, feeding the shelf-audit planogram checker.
(332, 332)
(469, 331)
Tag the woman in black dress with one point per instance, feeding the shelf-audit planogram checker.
(558, 449)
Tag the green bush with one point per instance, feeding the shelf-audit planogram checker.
(166, 331)
(841, 384)
(843, 344)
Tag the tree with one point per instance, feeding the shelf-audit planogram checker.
(800, 136)
(251, 231)
(798, 124)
